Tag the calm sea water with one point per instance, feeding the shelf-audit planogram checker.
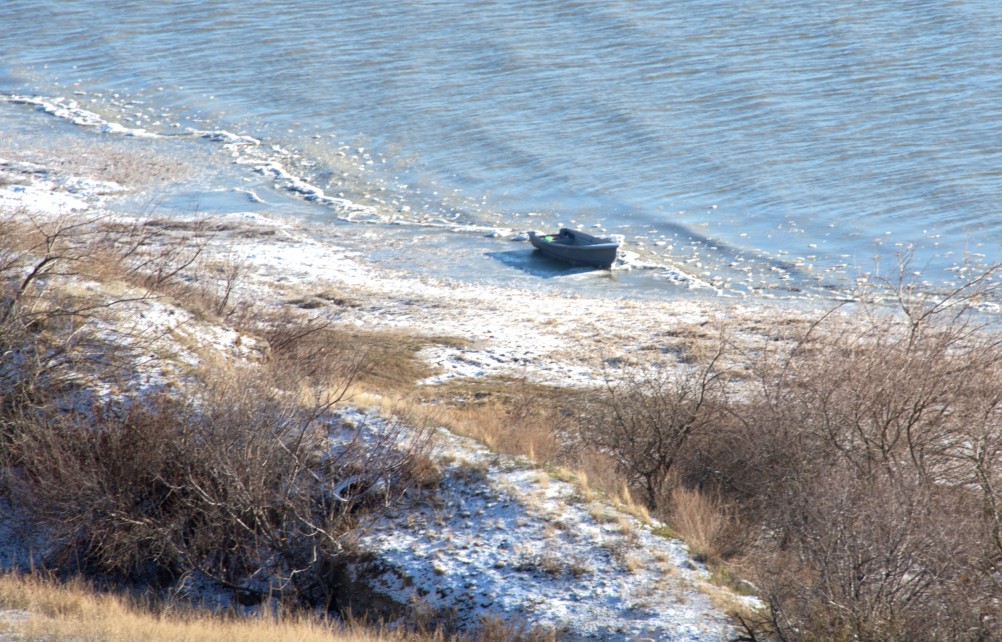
(770, 144)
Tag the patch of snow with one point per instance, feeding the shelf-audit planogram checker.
(39, 197)
(33, 188)
(501, 538)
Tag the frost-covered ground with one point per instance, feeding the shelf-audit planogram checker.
(500, 537)
(503, 538)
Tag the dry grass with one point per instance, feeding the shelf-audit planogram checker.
(109, 161)
(395, 365)
(726, 600)
(39, 610)
(392, 363)
(633, 563)
(76, 612)
(624, 501)
(580, 481)
(692, 343)
(704, 522)
(514, 417)
(598, 471)
(600, 513)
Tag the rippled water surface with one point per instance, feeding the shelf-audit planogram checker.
(739, 140)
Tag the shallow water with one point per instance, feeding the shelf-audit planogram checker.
(757, 147)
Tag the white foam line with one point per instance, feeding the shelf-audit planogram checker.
(225, 137)
(251, 195)
(247, 151)
(275, 170)
(71, 110)
(311, 193)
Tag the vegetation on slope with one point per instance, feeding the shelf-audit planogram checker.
(847, 469)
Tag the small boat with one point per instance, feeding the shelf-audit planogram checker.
(576, 247)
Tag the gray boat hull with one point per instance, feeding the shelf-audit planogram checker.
(576, 247)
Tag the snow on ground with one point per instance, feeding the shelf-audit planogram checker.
(500, 537)
(503, 538)
(560, 338)
(163, 345)
(25, 186)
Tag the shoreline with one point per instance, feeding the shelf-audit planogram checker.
(515, 521)
(549, 338)
(535, 329)
(221, 171)
(178, 171)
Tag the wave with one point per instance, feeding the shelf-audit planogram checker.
(247, 150)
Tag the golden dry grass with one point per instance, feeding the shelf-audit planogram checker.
(624, 501)
(509, 416)
(703, 521)
(45, 610)
(395, 365)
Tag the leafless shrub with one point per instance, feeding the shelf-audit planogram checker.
(879, 558)
(41, 319)
(646, 419)
(168, 257)
(229, 272)
(867, 454)
(146, 252)
(307, 357)
(236, 484)
(35, 250)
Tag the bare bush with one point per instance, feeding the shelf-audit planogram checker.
(868, 453)
(646, 419)
(236, 484)
(40, 321)
(878, 558)
(147, 253)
